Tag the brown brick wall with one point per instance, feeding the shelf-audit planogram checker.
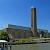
(18, 33)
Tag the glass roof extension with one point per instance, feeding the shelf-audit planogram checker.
(17, 27)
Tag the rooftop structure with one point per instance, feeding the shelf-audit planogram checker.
(17, 27)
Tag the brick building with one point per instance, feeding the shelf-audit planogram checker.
(26, 32)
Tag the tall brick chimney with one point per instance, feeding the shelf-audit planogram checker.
(33, 21)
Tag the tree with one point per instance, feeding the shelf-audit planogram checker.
(4, 36)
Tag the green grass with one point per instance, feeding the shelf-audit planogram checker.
(25, 39)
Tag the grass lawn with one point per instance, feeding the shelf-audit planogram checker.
(25, 39)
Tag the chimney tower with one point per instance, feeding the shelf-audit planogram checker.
(33, 21)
